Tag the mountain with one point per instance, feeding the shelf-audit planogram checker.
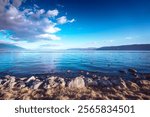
(9, 47)
(122, 47)
(127, 47)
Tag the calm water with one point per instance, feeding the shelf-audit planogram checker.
(97, 61)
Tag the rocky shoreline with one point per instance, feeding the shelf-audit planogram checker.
(78, 88)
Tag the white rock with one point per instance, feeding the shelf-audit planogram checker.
(123, 84)
(7, 76)
(37, 85)
(12, 84)
(78, 82)
(12, 79)
(31, 79)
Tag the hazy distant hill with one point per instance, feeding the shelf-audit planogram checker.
(127, 47)
(122, 47)
(9, 47)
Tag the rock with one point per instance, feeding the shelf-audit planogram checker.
(23, 79)
(37, 85)
(54, 82)
(7, 76)
(1, 81)
(8, 95)
(62, 98)
(12, 79)
(24, 90)
(6, 84)
(147, 76)
(144, 82)
(61, 82)
(26, 97)
(94, 76)
(52, 78)
(132, 71)
(123, 84)
(31, 79)
(87, 73)
(12, 84)
(104, 83)
(116, 82)
(20, 85)
(52, 85)
(123, 71)
(133, 86)
(37, 94)
(78, 82)
(90, 82)
(105, 78)
(68, 71)
(49, 93)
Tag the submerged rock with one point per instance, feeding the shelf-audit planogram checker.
(78, 82)
(123, 71)
(133, 71)
(116, 82)
(104, 82)
(68, 71)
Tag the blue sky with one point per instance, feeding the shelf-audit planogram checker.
(61, 24)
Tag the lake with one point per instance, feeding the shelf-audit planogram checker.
(107, 62)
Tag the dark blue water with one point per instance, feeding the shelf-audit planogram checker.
(61, 61)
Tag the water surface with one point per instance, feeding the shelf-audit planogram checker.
(27, 63)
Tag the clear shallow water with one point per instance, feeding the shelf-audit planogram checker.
(27, 63)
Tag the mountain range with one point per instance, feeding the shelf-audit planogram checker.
(9, 47)
(121, 47)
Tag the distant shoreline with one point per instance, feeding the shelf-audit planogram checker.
(135, 47)
(132, 47)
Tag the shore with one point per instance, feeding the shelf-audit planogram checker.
(125, 87)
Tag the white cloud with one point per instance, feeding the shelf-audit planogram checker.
(71, 21)
(52, 13)
(63, 20)
(51, 29)
(50, 36)
(17, 3)
(41, 11)
(29, 25)
(12, 11)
